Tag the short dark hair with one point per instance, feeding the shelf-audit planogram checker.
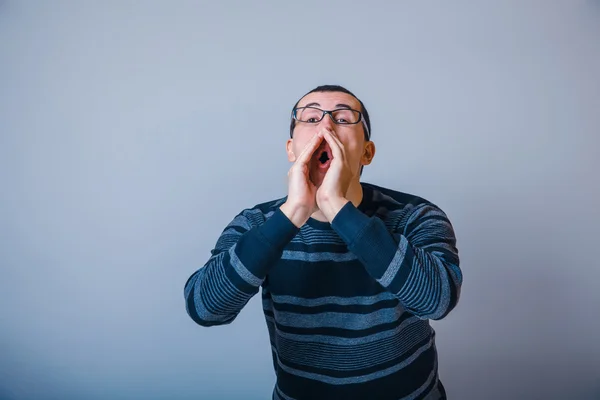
(336, 88)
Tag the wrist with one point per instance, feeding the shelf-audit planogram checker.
(298, 215)
(331, 206)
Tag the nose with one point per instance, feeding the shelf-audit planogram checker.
(327, 122)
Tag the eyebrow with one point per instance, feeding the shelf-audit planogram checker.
(341, 105)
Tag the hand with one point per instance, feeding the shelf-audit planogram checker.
(301, 202)
(331, 195)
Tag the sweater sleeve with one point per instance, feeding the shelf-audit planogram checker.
(239, 262)
(418, 262)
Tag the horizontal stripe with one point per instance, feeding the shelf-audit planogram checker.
(267, 305)
(355, 379)
(334, 331)
(279, 395)
(426, 386)
(339, 320)
(336, 308)
(309, 235)
(402, 383)
(362, 300)
(233, 232)
(352, 357)
(318, 257)
(366, 370)
(345, 340)
(238, 224)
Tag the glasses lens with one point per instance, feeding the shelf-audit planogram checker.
(346, 116)
(309, 114)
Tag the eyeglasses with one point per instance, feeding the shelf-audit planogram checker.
(340, 116)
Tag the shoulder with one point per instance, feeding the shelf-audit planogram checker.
(400, 207)
(257, 214)
(395, 199)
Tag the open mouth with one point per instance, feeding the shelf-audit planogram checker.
(321, 160)
(324, 157)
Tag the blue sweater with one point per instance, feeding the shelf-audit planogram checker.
(347, 304)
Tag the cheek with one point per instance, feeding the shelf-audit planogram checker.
(354, 153)
(297, 147)
(353, 150)
(301, 139)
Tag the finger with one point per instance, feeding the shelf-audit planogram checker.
(337, 148)
(309, 149)
(332, 138)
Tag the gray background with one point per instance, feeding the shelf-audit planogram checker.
(132, 132)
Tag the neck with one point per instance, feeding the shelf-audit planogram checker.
(354, 194)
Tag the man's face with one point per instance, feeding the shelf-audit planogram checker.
(358, 151)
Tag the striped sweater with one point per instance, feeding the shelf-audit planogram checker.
(347, 303)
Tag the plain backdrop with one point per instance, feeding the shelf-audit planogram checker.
(132, 132)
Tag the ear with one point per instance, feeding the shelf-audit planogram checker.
(290, 150)
(368, 153)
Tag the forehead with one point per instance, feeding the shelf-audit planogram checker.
(330, 100)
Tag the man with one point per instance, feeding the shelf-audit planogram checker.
(351, 273)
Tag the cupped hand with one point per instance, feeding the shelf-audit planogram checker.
(301, 202)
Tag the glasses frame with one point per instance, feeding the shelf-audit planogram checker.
(330, 112)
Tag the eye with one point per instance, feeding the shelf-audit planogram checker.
(344, 116)
(312, 120)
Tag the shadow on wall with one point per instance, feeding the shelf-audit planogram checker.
(594, 394)
(4, 395)
(524, 327)
(534, 347)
